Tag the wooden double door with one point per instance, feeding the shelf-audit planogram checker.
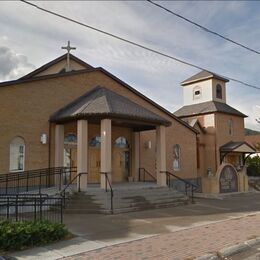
(120, 165)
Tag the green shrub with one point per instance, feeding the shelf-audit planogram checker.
(20, 235)
(253, 166)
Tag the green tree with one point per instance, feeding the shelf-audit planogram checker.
(253, 166)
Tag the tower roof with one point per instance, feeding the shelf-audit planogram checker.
(202, 75)
(207, 108)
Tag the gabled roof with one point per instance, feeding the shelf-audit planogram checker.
(89, 70)
(203, 75)
(195, 122)
(101, 103)
(241, 147)
(206, 108)
(53, 62)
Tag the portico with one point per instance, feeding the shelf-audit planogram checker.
(107, 129)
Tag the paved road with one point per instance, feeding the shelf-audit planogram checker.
(146, 223)
(184, 244)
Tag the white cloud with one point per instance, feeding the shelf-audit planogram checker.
(13, 65)
(39, 36)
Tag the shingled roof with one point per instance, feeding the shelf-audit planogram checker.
(237, 147)
(206, 108)
(104, 103)
(204, 74)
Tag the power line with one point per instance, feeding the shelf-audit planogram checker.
(204, 28)
(137, 44)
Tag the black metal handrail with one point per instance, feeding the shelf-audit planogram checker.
(111, 191)
(63, 192)
(34, 179)
(30, 207)
(145, 172)
(188, 184)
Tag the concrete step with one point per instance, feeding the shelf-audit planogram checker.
(125, 200)
(153, 206)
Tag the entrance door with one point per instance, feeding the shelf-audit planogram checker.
(120, 166)
(94, 166)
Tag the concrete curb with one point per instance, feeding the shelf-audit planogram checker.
(231, 250)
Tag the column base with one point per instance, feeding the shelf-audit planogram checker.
(161, 181)
(82, 185)
(103, 184)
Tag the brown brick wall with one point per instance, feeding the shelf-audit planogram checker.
(25, 110)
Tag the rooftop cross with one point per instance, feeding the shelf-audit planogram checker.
(68, 48)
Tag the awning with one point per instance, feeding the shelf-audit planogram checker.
(100, 103)
(239, 147)
(236, 147)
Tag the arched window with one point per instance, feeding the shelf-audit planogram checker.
(197, 92)
(95, 142)
(176, 157)
(17, 154)
(121, 142)
(70, 139)
(230, 127)
(219, 91)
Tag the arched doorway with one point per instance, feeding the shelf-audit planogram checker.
(94, 160)
(228, 181)
(121, 160)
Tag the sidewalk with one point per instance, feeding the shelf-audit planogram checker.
(103, 231)
(184, 244)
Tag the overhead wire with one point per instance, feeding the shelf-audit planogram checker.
(137, 44)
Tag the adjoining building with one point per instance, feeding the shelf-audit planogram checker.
(72, 114)
(221, 142)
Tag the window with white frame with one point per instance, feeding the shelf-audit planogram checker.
(17, 154)
(176, 157)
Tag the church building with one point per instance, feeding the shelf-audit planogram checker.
(221, 146)
(68, 113)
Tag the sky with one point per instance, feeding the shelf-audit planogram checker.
(30, 38)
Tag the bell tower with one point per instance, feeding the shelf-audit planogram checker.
(203, 87)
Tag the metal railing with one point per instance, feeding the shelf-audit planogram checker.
(189, 187)
(76, 180)
(108, 183)
(19, 207)
(145, 176)
(35, 180)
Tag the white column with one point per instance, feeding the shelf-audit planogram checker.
(161, 155)
(59, 150)
(136, 155)
(82, 153)
(105, 151)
